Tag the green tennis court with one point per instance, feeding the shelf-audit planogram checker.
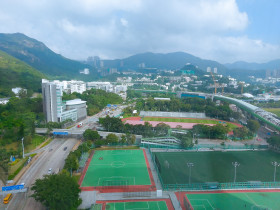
(117, 168)
(141, 205)
(217, 166)
(235, 201)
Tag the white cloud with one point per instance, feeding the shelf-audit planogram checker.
(212, 29)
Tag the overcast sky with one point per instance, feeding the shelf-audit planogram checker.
(222, 30)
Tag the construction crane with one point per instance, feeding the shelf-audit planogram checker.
(214, 82)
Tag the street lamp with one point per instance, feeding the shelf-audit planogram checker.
(22, 147)
(275, 164)
(190, 165)
(235, 164)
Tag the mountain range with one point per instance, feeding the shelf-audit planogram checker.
(39, 56)
(271, 65)
(174, 61)
(26, 60)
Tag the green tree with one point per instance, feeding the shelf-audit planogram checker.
(57, 192)
(71, 162)
(111, 138)
(253, 125)
(91, 135)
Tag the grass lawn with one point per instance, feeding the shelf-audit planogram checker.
(233, 201)
(184, 120)
(217, 166)
(117, 167)
(273, 110)
(36, 141)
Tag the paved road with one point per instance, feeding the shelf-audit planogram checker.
(53, 157)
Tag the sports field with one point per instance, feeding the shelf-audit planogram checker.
(117, 168)
(217, 166)
(234, 201)
(145, 205)
(189, 120)
(273, 110)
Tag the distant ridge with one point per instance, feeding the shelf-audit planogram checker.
(271, 65)
(37, 55)
(175, 60)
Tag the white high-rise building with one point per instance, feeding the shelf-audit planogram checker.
(208, 69)
(215, 70)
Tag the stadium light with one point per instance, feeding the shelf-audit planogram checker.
(190, 165)
(235, 164)
(275, 164)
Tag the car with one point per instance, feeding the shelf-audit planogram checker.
(50, 171)
(65, 148)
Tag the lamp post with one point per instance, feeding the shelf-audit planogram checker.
(22, 147)
(235, 164)
(275, 164)
(190, 165)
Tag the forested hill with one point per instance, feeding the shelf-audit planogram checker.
(15, 73)
(173, 60)
(39, 56)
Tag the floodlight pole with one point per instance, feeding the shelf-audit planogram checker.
(235, 164)
(190, 165)
(22, 147)
(275, 164)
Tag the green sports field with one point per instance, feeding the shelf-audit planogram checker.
(235, 201)
(184, 120)
(141, 205)
(217, 166)
(117, 167)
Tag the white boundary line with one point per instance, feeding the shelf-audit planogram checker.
(112, 178)
(148, 206)
(203, 200)
(199, 205)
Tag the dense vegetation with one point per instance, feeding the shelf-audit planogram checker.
(96, 99)
(15, 73)
(57, 192)
(37, 55)
(17, 120)
(222, 112)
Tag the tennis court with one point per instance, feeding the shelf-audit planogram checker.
(217, 166)
(233, 201)
(117, 168)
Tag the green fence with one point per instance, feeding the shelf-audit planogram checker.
(206, 146)
(211, 185)
(156, 166)
(218, 186)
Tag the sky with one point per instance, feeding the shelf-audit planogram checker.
(221, 30)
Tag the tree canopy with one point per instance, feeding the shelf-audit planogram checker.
(57, 192)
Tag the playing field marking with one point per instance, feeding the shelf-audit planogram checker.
(97, 164)
(198, 206)
(203, 200)
(117, 152)
(158, 206)
(148, 206)
(118, 164)
(251, 199)
(112, 179)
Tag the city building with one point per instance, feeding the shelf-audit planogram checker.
(55, 109)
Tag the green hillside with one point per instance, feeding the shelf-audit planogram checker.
(39, 56)
(15, 73)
